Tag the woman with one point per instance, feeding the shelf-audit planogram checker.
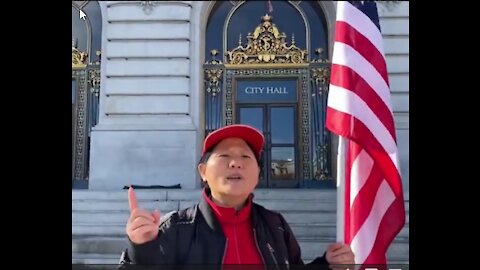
(225, 227)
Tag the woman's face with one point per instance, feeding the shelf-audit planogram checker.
(232, 170)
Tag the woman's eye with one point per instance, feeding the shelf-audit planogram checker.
(245, 156)
(223, 155)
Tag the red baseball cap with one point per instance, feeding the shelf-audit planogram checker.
(249, 134)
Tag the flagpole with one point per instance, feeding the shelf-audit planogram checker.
(342, 142)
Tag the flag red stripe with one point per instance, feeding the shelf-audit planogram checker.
(353, 151)
(347, 78)
(348, 126)
(347, 34)
(391, 224)
(363, 202)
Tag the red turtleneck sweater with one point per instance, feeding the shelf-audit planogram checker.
(237, 227)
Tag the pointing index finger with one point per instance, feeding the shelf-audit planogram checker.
(132, 199)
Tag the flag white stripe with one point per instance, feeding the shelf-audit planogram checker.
(362, 23)
(352, 59)
(394, 158)
(337, 99)
(361, 168)
(364, 240)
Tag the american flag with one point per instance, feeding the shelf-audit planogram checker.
(359, 110)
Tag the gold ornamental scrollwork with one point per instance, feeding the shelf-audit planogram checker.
(94, 78)
(320, 72)
(213, 74)
(79, 59)
(320, 77)
(266, 46)
(213, 77)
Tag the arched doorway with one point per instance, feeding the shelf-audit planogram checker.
(268, 68)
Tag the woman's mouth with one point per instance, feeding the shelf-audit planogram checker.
(234, 177)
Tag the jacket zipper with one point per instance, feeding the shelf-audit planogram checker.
(236, 239)
(273, 256)
(224, 252)
(258, 248)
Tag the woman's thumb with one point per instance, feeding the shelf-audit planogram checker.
(156, 216)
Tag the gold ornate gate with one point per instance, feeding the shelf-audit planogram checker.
(85, 98)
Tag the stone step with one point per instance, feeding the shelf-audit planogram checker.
(99, 218)
(93, 248)
(300, 230)
(188, 195)
(94, 259)
(110, 261)
(194, 195)
(99, 245)
(167, 206)
(149, 200)
(118, 195)
(90, 205)
(86, 229)
(121, 217)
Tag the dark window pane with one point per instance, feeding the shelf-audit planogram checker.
(73, 91)
(87, 38)
(252, 117)
(318, 27)
(282, 124)
(283, 163)
(214, 33)
(94, 14)
(285, 16)
(249, 15)
(79, 30)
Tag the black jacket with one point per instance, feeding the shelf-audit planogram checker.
(193, 236)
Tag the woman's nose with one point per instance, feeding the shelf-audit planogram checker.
(235, 163)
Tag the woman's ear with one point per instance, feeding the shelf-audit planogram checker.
(202, 171)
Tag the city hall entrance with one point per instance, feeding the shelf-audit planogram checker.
(277, 122)
(270, 70)
(271, 107)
